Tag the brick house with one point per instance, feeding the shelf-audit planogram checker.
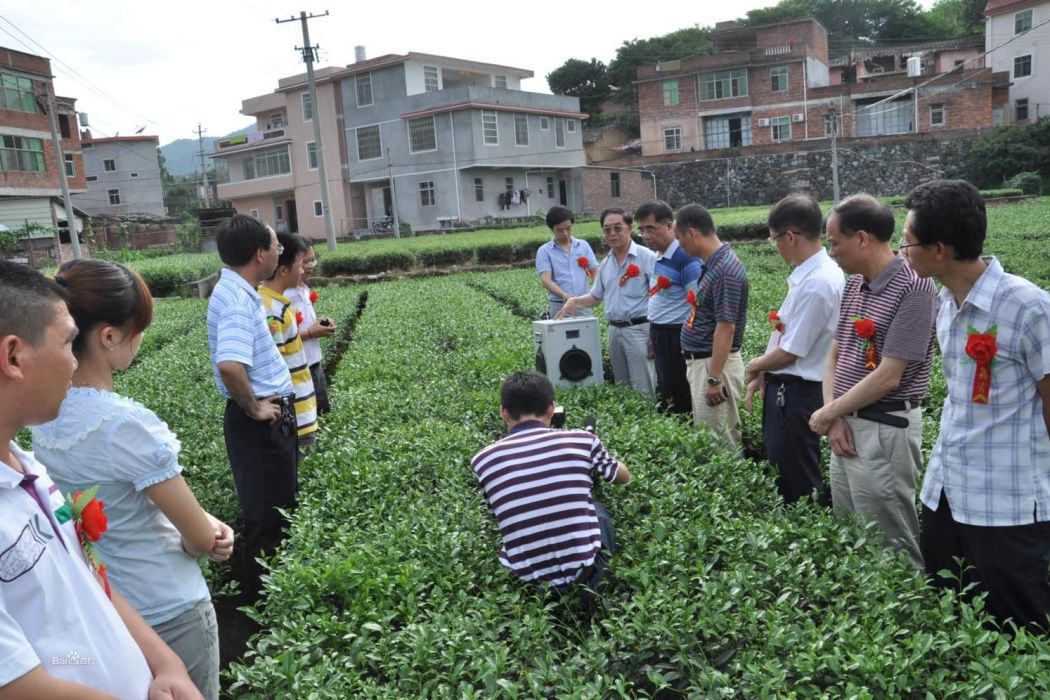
(1017, 40)
(774, 84)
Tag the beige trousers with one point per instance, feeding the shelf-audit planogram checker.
(723, 419)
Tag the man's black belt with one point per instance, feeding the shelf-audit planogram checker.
(630, 322)
(666, 326)
(787, 379)
(690, 355)
(882, 412)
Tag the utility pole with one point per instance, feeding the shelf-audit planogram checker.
(49, 105)
(308, 58)
(393, 193)
(204, 170)
(833, 113)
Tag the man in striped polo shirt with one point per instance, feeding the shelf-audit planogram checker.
(259, 422)
(668, 308)
(714, 330)
(538, 481)
(877, 373)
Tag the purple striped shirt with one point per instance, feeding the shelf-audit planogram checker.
(538, 482)
(903, 307)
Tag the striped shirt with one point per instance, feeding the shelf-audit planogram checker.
(280, 319)
(721, 297)
(537, 481)
(992, 460)
(565, 266)
(903, 307)
(668, 306)
(632, 299)
(238, 332)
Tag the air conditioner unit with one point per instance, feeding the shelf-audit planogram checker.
(764, 121)
(798, 117)
(569, 351)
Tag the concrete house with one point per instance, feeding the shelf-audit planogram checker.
(1017, 41)
(122, 174)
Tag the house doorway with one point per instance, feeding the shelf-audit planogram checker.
(293, 218)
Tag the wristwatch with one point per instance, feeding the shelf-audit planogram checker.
(714, 381)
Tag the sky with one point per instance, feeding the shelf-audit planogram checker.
(170, 66)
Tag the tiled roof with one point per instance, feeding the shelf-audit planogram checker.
(998, 7)
(974, 41)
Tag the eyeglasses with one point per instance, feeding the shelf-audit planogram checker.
(902, 246)
(615, 228)
(773, 239)
(280, 249)
(310, 265)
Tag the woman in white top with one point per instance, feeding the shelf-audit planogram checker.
(156, 527)
(312, 328)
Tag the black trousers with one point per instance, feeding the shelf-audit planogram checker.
(320, 388)
(1008, 563)
(672, 387)
(791, 446)
(263, 458)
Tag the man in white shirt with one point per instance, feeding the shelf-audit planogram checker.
(790, 372)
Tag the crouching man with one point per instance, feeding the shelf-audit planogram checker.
(538, 481)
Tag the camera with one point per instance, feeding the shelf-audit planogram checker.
(558, 420)
(326, 322)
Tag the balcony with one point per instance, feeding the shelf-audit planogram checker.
(444, 100)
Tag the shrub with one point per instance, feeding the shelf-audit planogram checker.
(1029, 182)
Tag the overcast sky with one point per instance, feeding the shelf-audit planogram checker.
(167, 66)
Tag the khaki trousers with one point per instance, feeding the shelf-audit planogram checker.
(723, 419)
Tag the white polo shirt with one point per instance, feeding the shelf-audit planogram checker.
(53, 612)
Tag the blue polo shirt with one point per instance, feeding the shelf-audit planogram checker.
(238, 332)
(669, 305)
(565, 267)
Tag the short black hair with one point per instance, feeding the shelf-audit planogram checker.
(950, 212)
(30, 300)
(294, 245)
(526, 394)
(558, 214)
(240, 237)
(657, 209)
(862, 212)
(627, 219)
(694, 216)
(799, 213)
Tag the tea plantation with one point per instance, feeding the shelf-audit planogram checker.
(389, 586)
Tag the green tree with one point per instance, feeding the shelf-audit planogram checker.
(1007, 151)
(623, 70)
(852, 22)
(587, 80)
(958, 17)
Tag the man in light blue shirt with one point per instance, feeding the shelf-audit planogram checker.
(986, 493)
(259, 423)
(566, 265)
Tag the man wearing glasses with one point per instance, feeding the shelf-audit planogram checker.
(788, 376)
(877, 373)
(622, 283)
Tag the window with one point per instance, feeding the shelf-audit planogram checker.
(729, 131)
(886, 118)
(673, 139)
(17, 93)
(421, 135)
(109, 165)
(937, 115)
(479, 190)
(426, 193)
(1022, 21)
(22, 153)
(278, 212)
(276, 121)
(559, 132)
(545, 123)
(308, 108)
(1020, 109)
(254, 212)
(134, 174)
(521, 129)
(778, 78)
(431, 83)
(71, 167)
(550, 187)
(781, 128)
(571, 124)
(369, 144)
(311, 155)
(508, 184)
(670, 93)
(318, 207)
(489, 127)
(614, 184)
(63, 126)
(267, 162)
(723, 84)
(114, 196)
(364, 89)
(86, 145)
(499, 81)
(1023, 66)
(960, 64)
(829, 121)
(91, 178)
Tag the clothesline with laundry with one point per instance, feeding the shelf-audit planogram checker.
(512, 197)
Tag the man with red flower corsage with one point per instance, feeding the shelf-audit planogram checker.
(877, 373)
(668, 306)
(566, 265)
(285, 323)
(622, 285)
(60, 635)
(986, 493)
(313, 327)
(789, 374)
(714, 330)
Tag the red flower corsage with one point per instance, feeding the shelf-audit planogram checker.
(981, 348)
(865, 330)
(89, 521)
(775, 323)
(313, 296)
(661, 284)
(583, 262)
(299, 318)
(632, 271)
(691, 298)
